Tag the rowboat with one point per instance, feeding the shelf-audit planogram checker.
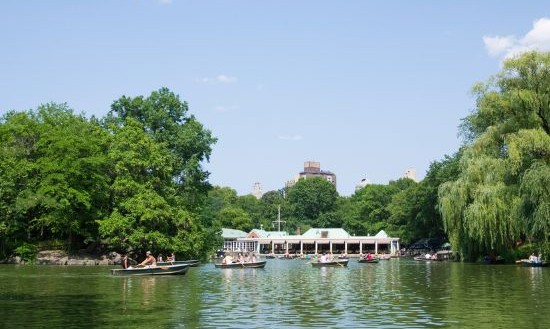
(423, 258)
(373, 260)
(241, 265)
(152, 270)
(340, 262)
(192, 262)
(531, 263)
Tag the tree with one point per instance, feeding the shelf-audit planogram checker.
(164, 117)
(55, 169)
(310, 198)
(159, 184)
(501, 194)
(414, 212)
(271, 202)
(371, 206)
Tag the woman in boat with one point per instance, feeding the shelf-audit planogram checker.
(149, 260)
(171, 258)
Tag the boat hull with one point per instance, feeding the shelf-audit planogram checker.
(242, 265)
(153, 270)
(373, 261)
(338, 263)
(192, 262)
(528, 263)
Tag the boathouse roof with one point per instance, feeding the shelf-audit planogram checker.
(262, 234)
(381, 234)
(229, 233)
(331, 233)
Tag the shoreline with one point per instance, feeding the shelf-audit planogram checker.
(61, 257)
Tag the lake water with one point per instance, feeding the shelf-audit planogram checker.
(397, 293)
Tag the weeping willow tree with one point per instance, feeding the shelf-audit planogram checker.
(502, 194)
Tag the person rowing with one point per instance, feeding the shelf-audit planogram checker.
(149, 260)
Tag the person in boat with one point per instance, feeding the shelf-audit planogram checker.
(369, 256)
(171, 258)
(323, 258)
(428, 256)
(253, 258)
(227, 259)
(125, 262)
(160, 258)
(149, 260)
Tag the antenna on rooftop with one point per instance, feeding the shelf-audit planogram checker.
(279, 221)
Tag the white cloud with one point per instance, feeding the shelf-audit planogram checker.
(496, 45)
(538, 38)
(225, 79)
(290, 137)
(222, 78)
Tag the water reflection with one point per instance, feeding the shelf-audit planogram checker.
(398, 293)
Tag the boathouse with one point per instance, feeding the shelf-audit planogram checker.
(313, 241)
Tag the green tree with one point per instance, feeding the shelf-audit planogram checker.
(236, 218)
(53, 174)
(271, 202)
(253, 207)
(414, 212)
(310, 198)
(19, 134)
(165, 118)
(159, 183)
(501, 194)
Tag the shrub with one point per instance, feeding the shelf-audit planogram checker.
(27, 252)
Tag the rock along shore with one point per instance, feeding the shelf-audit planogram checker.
(60, 257)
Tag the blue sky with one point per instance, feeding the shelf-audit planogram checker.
(367, 88)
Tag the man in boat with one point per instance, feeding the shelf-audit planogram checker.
(149, 260)
(227, 259)
(125, 262)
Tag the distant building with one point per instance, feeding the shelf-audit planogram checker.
(257, 190)
(313, 169)
(364, 182)
(313, 241)
(410, 173)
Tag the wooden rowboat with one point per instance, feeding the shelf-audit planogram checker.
(339, 263)
(363, 260)
(153, 270)
(242, 265)
(192, 262)
(530, 263)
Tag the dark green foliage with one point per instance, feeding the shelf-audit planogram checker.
(133, 179)
(27, 252)
(53, 175)
(311, 199)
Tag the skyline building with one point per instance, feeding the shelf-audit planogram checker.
(313, 169)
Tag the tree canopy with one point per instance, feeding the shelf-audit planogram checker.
(133, 179)
(501, 195)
